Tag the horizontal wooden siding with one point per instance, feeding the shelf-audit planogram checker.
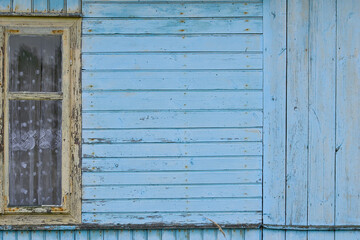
(172, 111)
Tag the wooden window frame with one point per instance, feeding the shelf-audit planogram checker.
(70, 210)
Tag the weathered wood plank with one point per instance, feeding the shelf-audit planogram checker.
(252, 234)
(81, 235)
(9, 235)
(5, 5)
(172, 135)
(171, 100)
(321, 235)
(111, 234)
(103, 120)
(55, 235)
(154, 178)
(322, 84)
(274, 112)
(273, 234)
(348, 235)
(170, 164)
(348, 114)
(168, 192)
(296, 235)
(190, 80)
(297, 113)
(142, 10)
(172, 149)
(154, 234)
(146, 61)
(172, 205)
(163, 43)
(73, 6)
(21, 6)
(56, 5)
(171, 26)
(40, 6)
(172, 218)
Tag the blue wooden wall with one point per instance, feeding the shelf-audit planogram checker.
(172, 112)
(40, 7)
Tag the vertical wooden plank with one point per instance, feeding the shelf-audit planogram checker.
(225, 235)
(297, 112)
(252, 234)
(274, 111)
(154, 235)
(139, 235)
(273, 234)
(53, 235)
(56, 5)
(125, 235)
(40, 6)
(37, 235)
(5, 5)
(9, 235)
(239, 234)
(22, 6)
(348, 114)
(296, 235)
(66, 235)
(321, 235)
(24, 235)
(73, 6)
(347, 235)
(322, 112)
(96, 234)
(110, 234)
(168, 235)
(183, 234)
(196, 234)
(210, 234)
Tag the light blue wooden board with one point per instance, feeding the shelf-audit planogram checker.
(250, 234)
(297, 112)
(274, 112)
(171, 26)
(157, 1)
(111, 234)
(40, 5)
(161, 178)
(142, 10)
(163, 43)
(348, 115)
(172, 149)
(170, 164)
(9, 235)
(172, 135)
(172, 192)
(160, 80)
(172, 218)
(25, 235)
(56, 5)
(172, 205)
(171, 100)
(146, 61)
(73, 6)
(5, 5)
(22, 6)
(321, 235)
(103, 120)
(321, 198)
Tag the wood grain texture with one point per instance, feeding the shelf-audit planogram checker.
(274, 111)
(321, 158)
(347, 114)
(142, 10)
(297, 112)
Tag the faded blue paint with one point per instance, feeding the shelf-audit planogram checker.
(40, 7)
(176, 104)
(172, 112)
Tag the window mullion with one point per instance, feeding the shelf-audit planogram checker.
(34, 96)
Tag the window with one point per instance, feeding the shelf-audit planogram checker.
(40, 121)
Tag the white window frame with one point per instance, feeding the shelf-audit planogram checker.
(70, 31)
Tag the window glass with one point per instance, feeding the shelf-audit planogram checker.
(35, 63)
(35, 153)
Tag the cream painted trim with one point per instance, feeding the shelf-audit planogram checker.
(70, 210)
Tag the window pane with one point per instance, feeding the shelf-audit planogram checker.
(34, 153)
(35, 63)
